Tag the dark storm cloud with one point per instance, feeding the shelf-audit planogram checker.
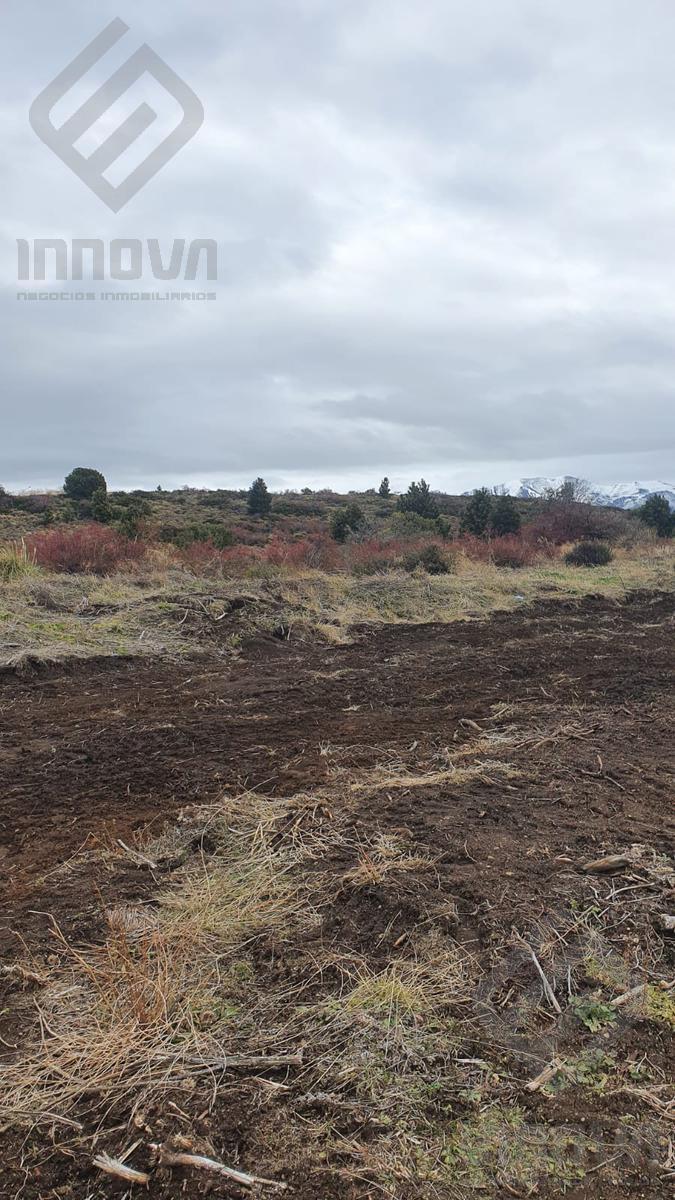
(447, 242)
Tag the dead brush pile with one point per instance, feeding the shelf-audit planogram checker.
(303, 969)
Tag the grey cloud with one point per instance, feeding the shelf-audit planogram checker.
(447, 239)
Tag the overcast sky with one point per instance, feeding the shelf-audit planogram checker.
(446, 247)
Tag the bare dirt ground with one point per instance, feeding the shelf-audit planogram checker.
(504, 752)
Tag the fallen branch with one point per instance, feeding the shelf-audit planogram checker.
(619, 1001)
(178, 1158)
(258, 1062)
(548, 990)
(112, 1166)
(141, 860)
(273, 1086)
(544, 1076)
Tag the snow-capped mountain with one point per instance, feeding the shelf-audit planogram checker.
(615, 495)
(632, 495)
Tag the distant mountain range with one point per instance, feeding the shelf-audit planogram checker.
(615, 495)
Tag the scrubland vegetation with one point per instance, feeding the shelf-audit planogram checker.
(127, 581)
(87, 530)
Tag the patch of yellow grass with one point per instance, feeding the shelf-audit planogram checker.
(115, 1020)
(16, 562)
(382, 779)
(381, 856)
(412, 987)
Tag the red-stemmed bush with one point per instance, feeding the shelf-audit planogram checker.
(84, 549)
(317, 553)
(511, 550)
(203, 558)
(571, 521)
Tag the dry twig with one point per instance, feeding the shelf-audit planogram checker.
(179, 1158)
(544, 1076)
(548, 990)
(113, 1166)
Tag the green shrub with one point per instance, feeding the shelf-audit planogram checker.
(258, 499)
(345, 521)
(505, 518)
(412, 525)
(100, 509)
(83, 482)
(218, 535)
(589, 554)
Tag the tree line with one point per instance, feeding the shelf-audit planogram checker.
(485, 514)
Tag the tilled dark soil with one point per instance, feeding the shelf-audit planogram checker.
(95, 752)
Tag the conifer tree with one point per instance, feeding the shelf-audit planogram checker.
(259, 501)
(476, 519)
(505, 517)
(418, 499)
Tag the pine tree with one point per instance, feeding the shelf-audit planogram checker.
(384, 488)
(259, 500)
(476, 519)
(418, 499)
(505, 517)
(656, 512)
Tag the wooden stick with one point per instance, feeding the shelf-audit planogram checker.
(113, 1166)
(258, 1061)
(637, 991)
(141, 860)
(544, 1076)
(178, 1158)
(548, 990)
(273, 1086)
(619, 1001)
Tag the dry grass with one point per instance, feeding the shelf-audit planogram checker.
(422, 987)
(382, 855)
(387, 779)
(400, 1043)
(169, 612)
(116, 1022)
(143, 1013)
(16, 562)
